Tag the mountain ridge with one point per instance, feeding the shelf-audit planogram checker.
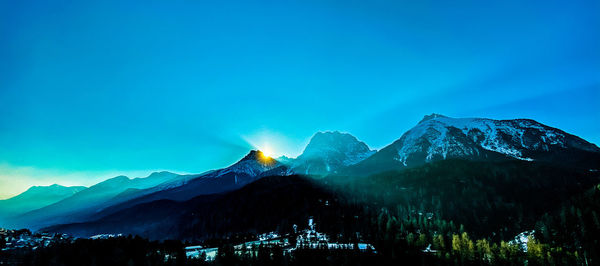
(251, 167)
(438, 137)
(36, 197)
(71, 208)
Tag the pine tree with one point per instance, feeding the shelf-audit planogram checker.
(438, 242)
(421, 241)
(484, 250)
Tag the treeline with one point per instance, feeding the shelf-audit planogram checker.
(413, 237)
(489, 199)
(114, 251)
(439, 203)
(458, 250)
(575, 225)
(412, 241)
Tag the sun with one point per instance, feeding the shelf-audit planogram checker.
(267, 152)
(265, 157)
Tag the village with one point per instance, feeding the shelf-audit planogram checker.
(24, 239)
(308, 238)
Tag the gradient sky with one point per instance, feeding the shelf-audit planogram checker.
(89, 90)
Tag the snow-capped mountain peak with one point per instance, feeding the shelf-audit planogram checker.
(328, 151)
(431, 116)
(439, 137)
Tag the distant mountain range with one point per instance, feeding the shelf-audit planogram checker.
(34, 198)
(337, 155)
(247, 170)
(121, 192)
(86, 201)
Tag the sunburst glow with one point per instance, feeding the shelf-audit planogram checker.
(265, 158)
(267, 152)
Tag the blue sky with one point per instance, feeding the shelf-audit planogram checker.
(90, 89)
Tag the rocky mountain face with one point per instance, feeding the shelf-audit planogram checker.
(329, 151)
(438, 137)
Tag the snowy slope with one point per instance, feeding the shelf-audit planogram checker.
(457, 137)
(438, 137)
